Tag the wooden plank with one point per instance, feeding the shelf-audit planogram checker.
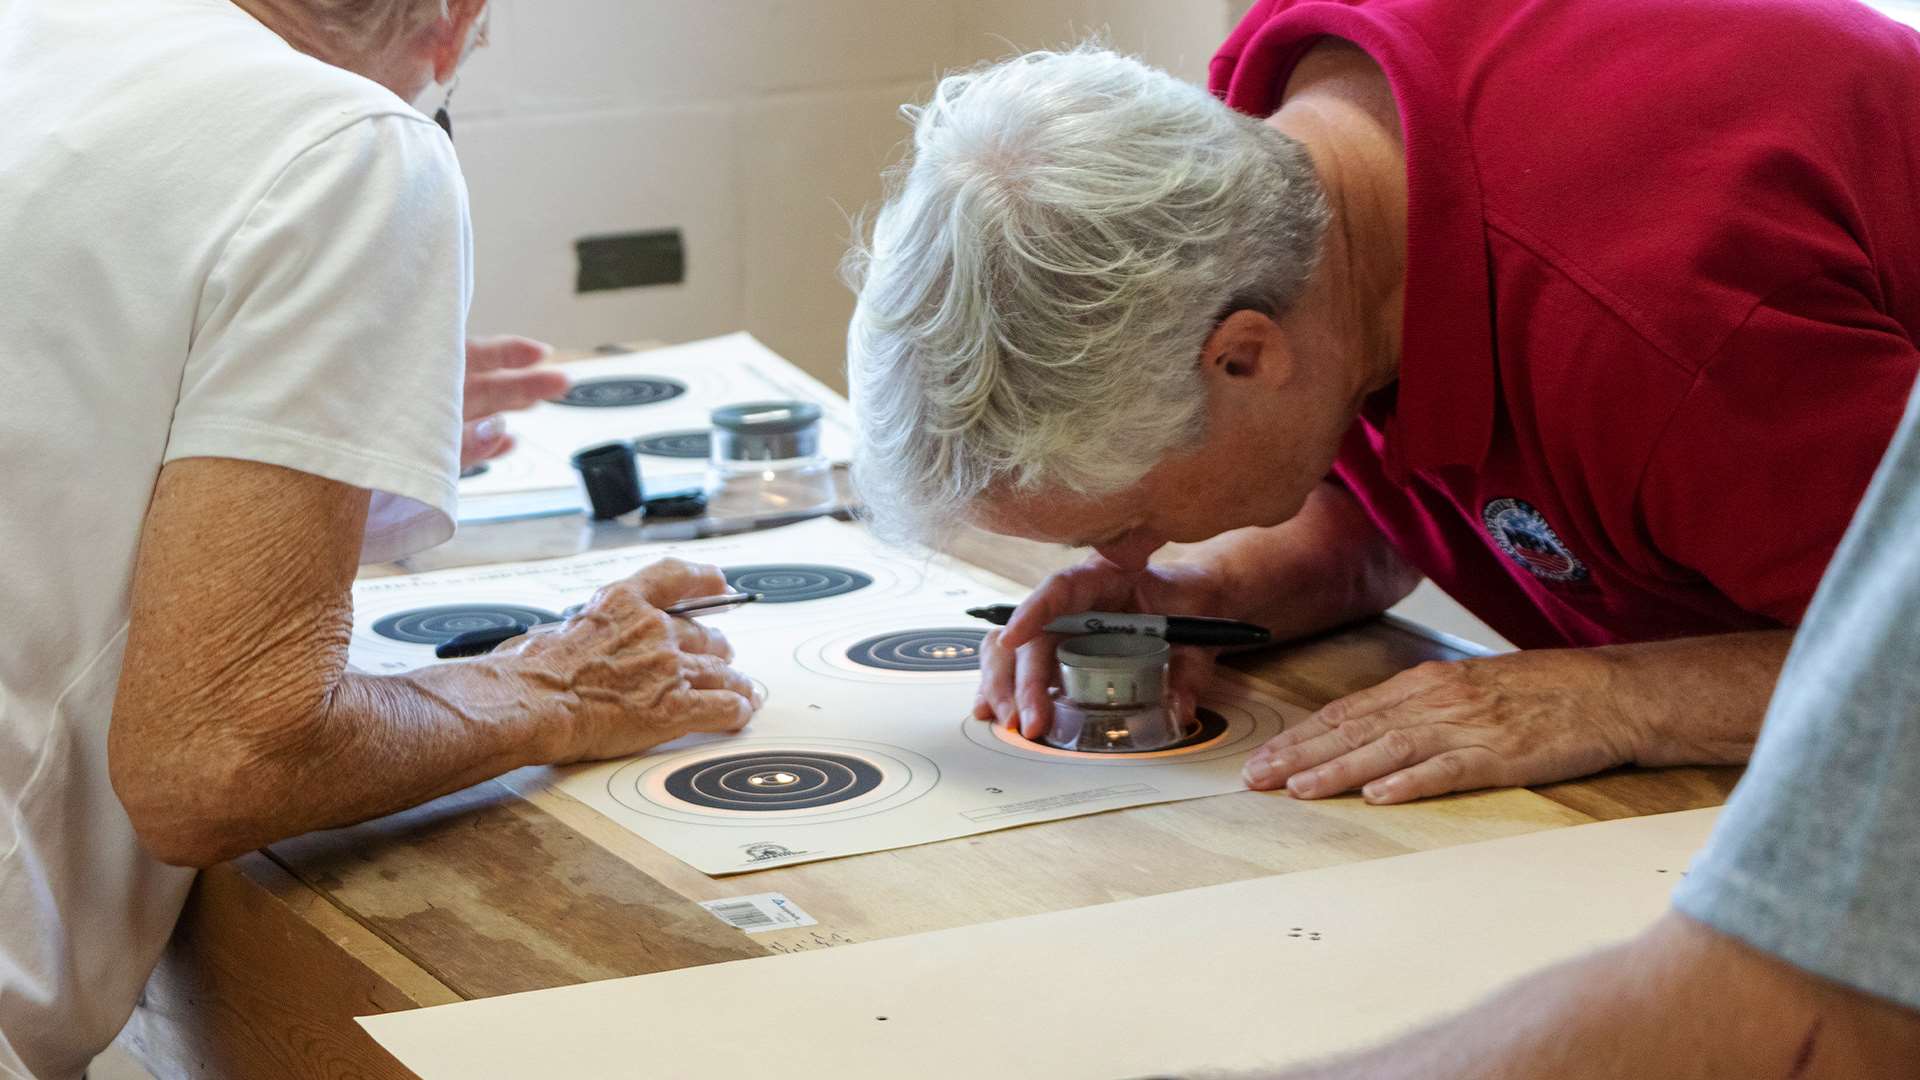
(1637, 792)
(263, 978)
(493, 896)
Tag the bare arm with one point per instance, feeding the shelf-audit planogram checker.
(1681, 1002)
(237, 722)
(1327, 566)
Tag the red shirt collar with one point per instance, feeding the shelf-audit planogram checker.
(1444, 404)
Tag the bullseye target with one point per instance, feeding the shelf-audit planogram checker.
(440, 624)
(688, 445)
(917, 651)
(773, 780)
(913, 654)
(620, 392)
(796, 583)
(746, 781)
(398, 632)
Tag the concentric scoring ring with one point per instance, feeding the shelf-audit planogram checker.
(772, 780)
(938, 649)
(796, 583)
(620, 391)
(697, 444)
(438, 625)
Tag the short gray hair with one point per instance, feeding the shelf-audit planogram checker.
(1047, 266)
(364, 27)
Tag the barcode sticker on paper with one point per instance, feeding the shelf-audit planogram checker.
(759, 914)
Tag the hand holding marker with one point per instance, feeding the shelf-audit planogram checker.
(1173, 629)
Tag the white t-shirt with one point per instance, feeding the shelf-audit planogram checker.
(211, 245)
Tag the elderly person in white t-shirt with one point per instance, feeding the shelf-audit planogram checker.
(232, 302)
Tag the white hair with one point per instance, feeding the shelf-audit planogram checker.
(367, 27)
(1047, 266)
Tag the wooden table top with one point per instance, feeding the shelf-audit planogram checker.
(512, 885)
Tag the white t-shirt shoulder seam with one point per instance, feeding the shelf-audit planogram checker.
(304, 337)
(408, 115)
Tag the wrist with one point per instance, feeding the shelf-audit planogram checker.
(547, 711)
(1624, 709)
(508, 707)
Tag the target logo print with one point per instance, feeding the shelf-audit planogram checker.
(765, 852)
(1523, 533)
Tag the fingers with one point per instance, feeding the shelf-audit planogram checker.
(706, 672)
(504, 391)
(995, 700)
(1269, 767)
(697, 637)
(1033, 678)
(670, 581)
(1354, 706)
(1091, 585)
(714, 710)
(504, 351)
(483, 440)
(1305, 731)
(1393, 750)
(1188, 674)
(1455, 770)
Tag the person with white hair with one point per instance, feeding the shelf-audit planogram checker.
(1597, 315)
(233, 298)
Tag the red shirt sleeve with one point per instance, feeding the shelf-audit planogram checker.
(1763, 463)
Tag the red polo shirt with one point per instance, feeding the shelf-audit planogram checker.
(1662, 294)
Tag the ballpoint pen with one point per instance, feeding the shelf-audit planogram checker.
(481, 642)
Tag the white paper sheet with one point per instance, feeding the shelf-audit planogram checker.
(855, 758)
(719, 371)
(1269, 972)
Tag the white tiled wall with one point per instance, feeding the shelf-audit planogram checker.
(756, 127)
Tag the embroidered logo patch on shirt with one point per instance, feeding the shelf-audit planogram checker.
(1523, 533)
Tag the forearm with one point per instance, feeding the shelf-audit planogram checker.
(1681, 1002)
(247, 770)
(1326, 567)
(1695, 701)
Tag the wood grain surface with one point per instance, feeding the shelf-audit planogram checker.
(512, 885)
(491, 895)
(262, 978)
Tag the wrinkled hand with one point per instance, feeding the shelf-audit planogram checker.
(627, 676)
(1017, 666)
(1521, 718)
(498, 380)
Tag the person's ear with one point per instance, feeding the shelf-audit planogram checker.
(454, 35)
(1247, 345)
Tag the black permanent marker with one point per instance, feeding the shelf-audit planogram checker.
(1173, 629)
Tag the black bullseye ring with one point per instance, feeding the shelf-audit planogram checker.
(781, 584)
(944, 649)
(619, 392)
(676, 444)
(438, 625)
(773, 780)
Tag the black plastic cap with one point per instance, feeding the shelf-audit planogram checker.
(611, 475)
